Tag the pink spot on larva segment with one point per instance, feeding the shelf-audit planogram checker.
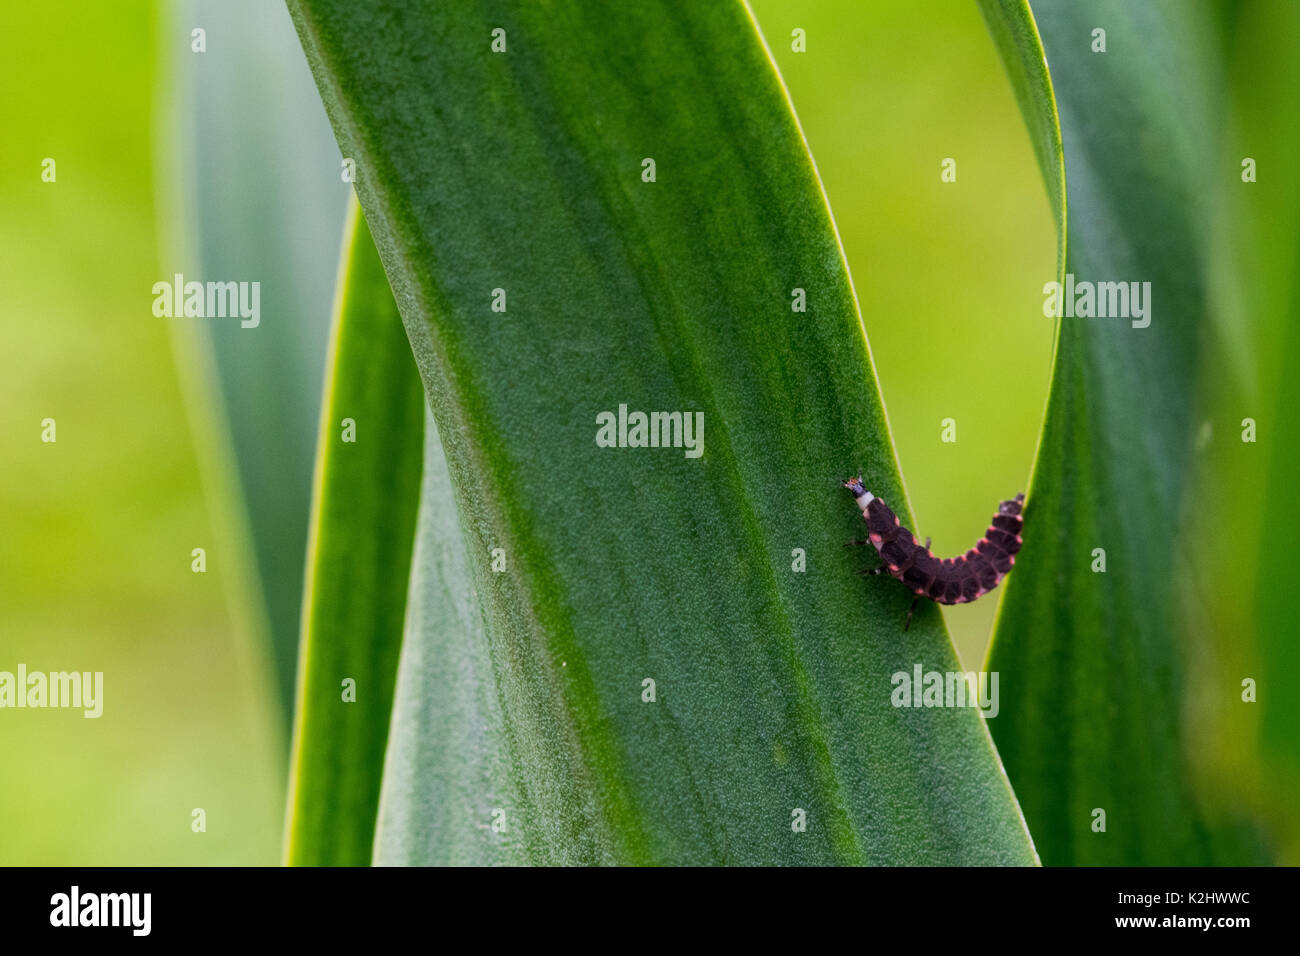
(893, 567)
(875, 538)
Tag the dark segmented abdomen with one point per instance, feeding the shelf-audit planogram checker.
(948, 580)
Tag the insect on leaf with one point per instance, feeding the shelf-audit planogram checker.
(557, 288)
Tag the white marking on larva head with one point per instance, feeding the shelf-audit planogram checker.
(860, 493)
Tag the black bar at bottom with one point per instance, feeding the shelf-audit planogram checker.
(931, 907)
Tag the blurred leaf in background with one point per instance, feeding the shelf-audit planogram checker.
(265, 194)
(99, 526)
(1241, 612)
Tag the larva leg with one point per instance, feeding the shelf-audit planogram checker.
(908, 622)
(855, 542)
(927, 542)
(871, 572)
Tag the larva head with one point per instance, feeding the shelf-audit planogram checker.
(860, 494)
(1012, 507)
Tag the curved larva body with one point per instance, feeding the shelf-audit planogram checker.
(946, 580)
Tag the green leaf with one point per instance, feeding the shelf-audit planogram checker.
(523, 171)
(267, 203)
(1096, 666)
(947, 273)
(358, 561)
(1256, 752)
(449, 752)
(1011, 24)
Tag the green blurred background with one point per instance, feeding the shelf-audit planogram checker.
(176, 434)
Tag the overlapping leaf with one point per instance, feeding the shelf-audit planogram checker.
(685, 667)
(358, 561)
(1095, 662)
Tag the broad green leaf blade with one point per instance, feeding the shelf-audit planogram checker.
(1094, 665)
(358, 561)
(525, 171)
